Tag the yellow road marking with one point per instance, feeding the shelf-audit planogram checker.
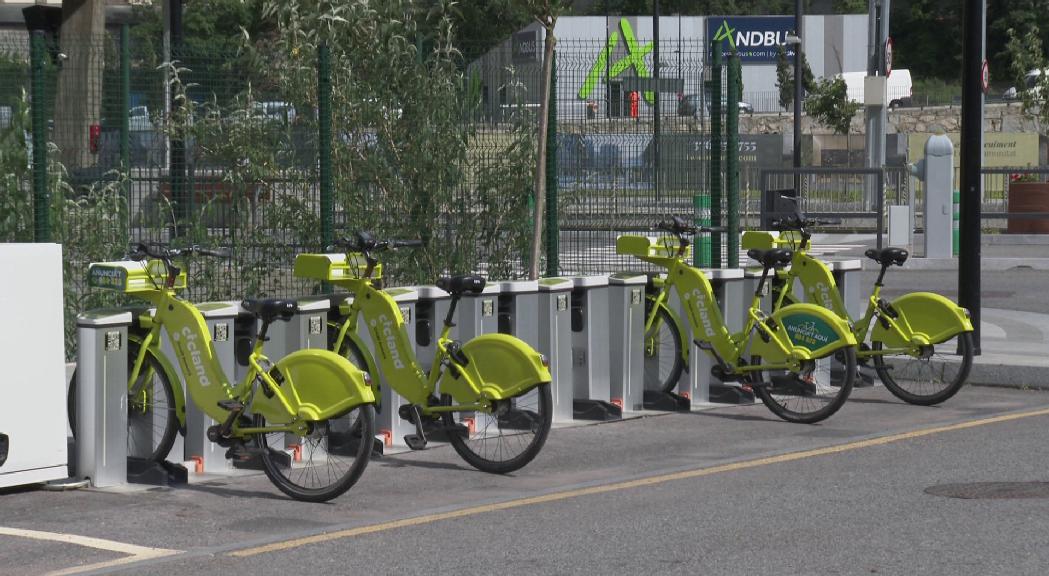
(627, 485)
(134, 553)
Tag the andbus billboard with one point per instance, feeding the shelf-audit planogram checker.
(756, 38)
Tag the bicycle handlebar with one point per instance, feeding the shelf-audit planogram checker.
(366, 242)
(142, 250)
(799, 223)
(682, 228)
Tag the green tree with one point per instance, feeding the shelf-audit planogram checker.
(785, 77)
(828, 103)
(1025, 53)
(547, 13)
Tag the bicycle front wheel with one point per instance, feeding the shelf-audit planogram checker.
(326, 462)
(151, 420)
(811, 394)
(931, 375)
(663, 355)
(507, 438)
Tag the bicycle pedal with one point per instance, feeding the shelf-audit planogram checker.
(231, 405)
(415, 442)
(242, 453)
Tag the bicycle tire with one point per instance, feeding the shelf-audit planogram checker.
(788, 395)
(340, 446)
(485, 448)
(662, 340)
(942, 391)
(165, 432)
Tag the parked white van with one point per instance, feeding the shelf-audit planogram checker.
(899, 87)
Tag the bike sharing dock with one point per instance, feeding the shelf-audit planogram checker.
(591, 329)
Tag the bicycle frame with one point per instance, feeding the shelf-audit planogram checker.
(289, 408)
(914, 320)
(791, 335)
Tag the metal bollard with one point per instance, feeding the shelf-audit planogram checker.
(518, 303)
(555, 341)
(102, 397)
(848, 276)
(626, 340)
(431, 308)
(219, 317)
(590, 357)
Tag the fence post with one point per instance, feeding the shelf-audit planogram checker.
(324, 140)
(552, 230)
(41, 202)
(713, 258)
(125, 106)
(735, 81)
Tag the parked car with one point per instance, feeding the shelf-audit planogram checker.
(899, 89)
(138, 119)
(690, 105)
(1030, 83)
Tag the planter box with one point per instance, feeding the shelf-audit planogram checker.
(1028, 197)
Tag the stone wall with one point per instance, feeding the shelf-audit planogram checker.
(997, 118)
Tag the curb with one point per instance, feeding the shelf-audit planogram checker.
(986, 264)
(1000, 375)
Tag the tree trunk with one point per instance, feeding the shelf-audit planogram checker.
(79, 96)
(540, 168)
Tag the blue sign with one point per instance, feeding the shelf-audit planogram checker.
(756, 39)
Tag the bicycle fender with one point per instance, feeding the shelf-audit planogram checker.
(318, 385)
(923, 318)
(811, 330)
(501, 365)
(173, 377)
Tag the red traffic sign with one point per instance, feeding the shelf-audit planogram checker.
(985, 77)
(888, 57)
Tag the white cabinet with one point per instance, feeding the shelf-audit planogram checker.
(32, 358)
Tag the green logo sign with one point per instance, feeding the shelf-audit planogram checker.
(809, 331)
(111, 278)
(635, 59)
(725, 32)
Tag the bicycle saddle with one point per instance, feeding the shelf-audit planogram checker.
(771, 258)
(888, 256)
(271, 309)
(458, 285)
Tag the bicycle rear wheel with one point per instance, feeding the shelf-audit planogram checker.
(323, 464)
(810, 395)
(509, 437)
(151, 420)
(933, 375)
(663, 361)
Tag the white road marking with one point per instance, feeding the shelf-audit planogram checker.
(134, 553)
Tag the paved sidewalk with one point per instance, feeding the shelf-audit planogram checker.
(1015, 349)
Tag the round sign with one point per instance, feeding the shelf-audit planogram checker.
(888, 56)
(985, 77)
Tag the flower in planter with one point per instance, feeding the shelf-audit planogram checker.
(1024, 177)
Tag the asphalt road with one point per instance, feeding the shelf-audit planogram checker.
(1017, 289)
(728, 491)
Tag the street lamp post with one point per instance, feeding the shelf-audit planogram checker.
(798, 80)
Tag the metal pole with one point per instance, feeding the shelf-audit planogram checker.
(656, 94)
(715, 155)
(735, 73)
(177, 161)
(608, 72)
(324, 141)
(552, 229)
(125, 106)
(798, 95)
(41, 200)
(973, 24)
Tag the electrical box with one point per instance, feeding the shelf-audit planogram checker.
(33, 409)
